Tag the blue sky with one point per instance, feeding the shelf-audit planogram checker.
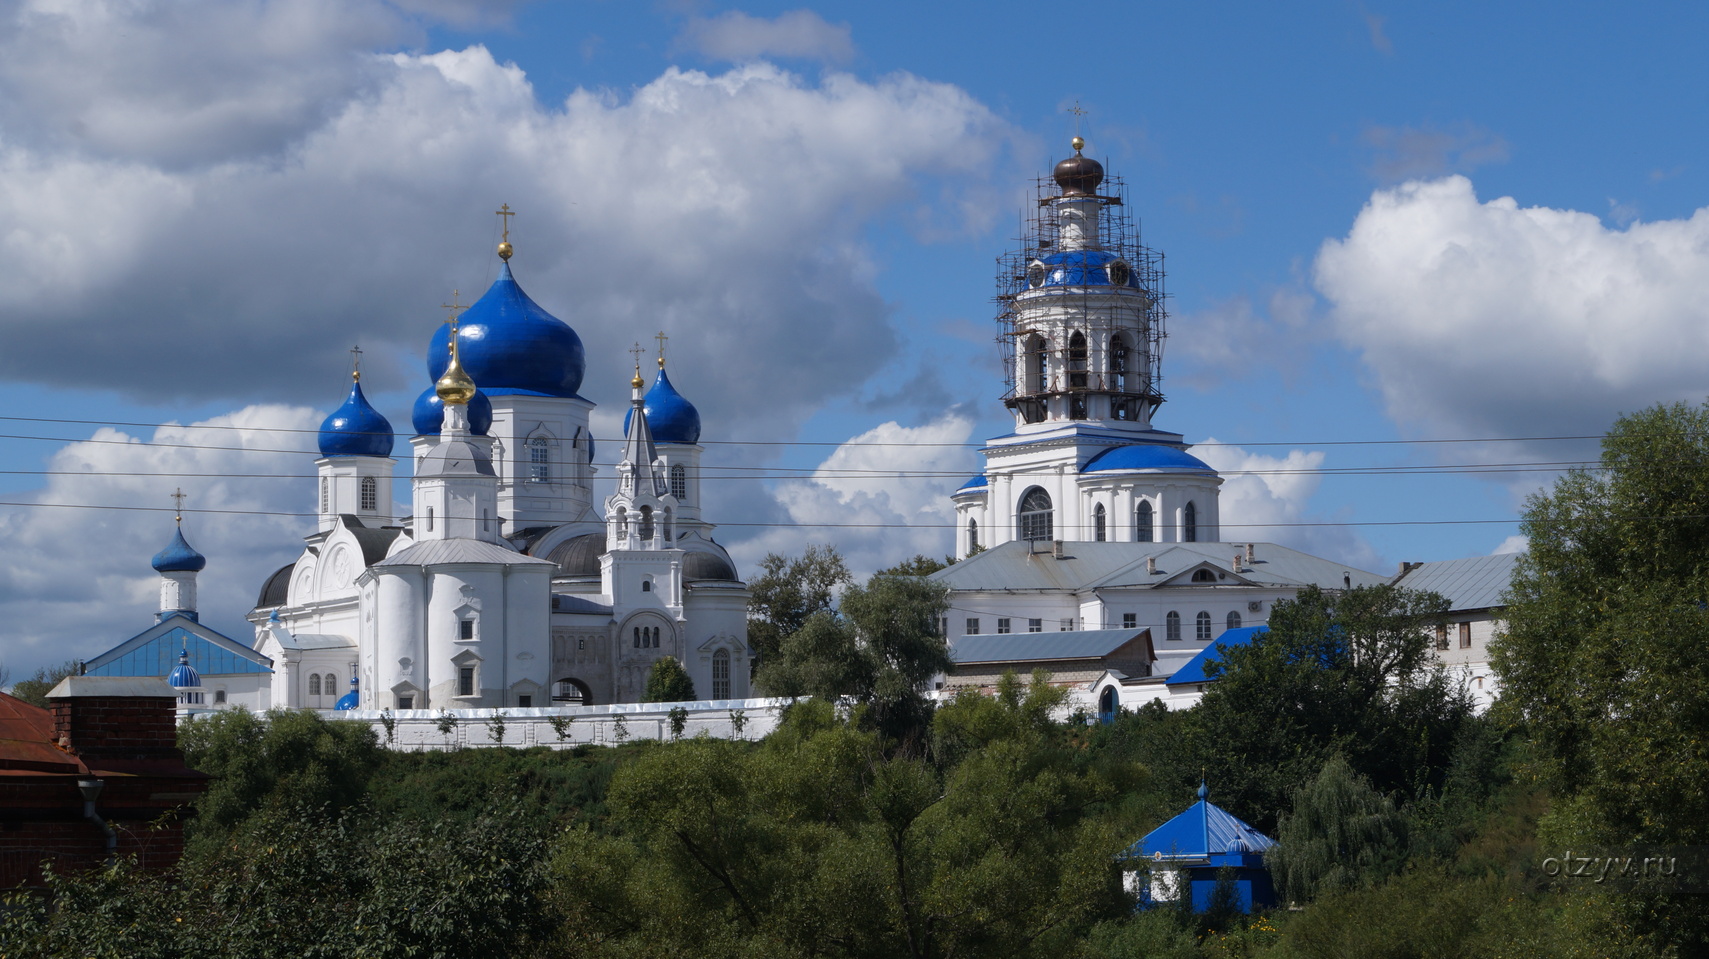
(202, 205)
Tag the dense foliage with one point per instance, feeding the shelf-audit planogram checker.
(668, 682)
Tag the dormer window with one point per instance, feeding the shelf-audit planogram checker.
(1204, 576)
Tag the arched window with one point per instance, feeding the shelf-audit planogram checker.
(331, 685)
(622, 522)
(539, 460)
(314, 684)
(721, 674)
(1098, 534)
(1203, 576)
(1107, 705)
(326, 494)
(1190, 524)
(430, 519)
(646, 524)
(1202, 627)
(1077, 360)
(1144, 523)
(679, 483)
(646, 585)
(637, 637)
(1172, 626)
(1118, 363)
(569, 691)
(1035, 516)
(1037, 373)
(219, 696)
(486, 519)
(972, 535)
(1233, 620)
(670, 527)
(370, 494)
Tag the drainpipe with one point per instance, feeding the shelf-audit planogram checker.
(91, 790)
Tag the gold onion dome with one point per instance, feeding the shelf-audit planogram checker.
(455, 386)
(637, 382)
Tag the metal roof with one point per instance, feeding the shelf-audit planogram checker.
(290, 640)
(1476, 582)
(569, 603)
(1084, 566)
(1033, 647)
(1204, 830)
(438, 552)
(154, 652)
(1194, 670)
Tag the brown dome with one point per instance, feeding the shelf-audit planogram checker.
(1079, 175)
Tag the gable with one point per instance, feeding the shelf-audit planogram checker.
(154, 652)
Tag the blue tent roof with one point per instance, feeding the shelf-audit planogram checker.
(1145, 456)
(179, 556)
(672, 418)
(154, 651)
(356, 429)
(1194, 671)
(1204, 831)
(508, 344)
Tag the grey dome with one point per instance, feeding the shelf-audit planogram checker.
(579, 555)
(703, 564)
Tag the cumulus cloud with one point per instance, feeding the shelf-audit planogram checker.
(888, 491)
(81, 582)
(1517, 543)
(739, 37)
(729, 210)
(1267, 498)
(1491, 319)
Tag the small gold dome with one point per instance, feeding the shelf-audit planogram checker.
(505, 250)
(1078, 144)
(637, 382)
(455, 387)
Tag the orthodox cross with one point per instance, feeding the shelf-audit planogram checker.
(636, 351)
(661, 337)
(178, 504)
(1078, 113)
(506, 212)
(356, 362)
(455, 309)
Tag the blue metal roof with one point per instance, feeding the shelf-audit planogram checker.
(1204, 831)
(507, 342)
(155, 651)
(978, 482)
(355, 429)
(179, 556)
(1194, 671)
(671, 418)
(1145, 456)
(428, 416)
(349, 700)
(1081, 268)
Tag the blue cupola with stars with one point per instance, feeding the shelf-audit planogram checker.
(356, 428)
(672, 419)
(510, 345)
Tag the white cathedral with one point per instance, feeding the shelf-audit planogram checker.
(507, 585)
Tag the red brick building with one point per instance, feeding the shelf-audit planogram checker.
(97, 775)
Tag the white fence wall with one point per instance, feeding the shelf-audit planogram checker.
(419, 730)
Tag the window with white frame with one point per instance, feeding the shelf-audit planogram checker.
(1202, 627)
(1233, 620)
(1003, 625)
(973, 626)
(1130, 620)
(1172, 626)
(370, 494)
(1144, 523)
(465, 680)
(1035, 625)
(539, 460)
(1098, 534)
(721, 674)
(679, 483)
(1035, 516)
(1190, 524)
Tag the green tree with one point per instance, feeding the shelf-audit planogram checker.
(789, 592)
(918, 565)
(668, 682)
(35, 689)
(287, 758)
(1341, 834)
(1348, 672)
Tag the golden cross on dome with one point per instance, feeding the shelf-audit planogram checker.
(506, 212)
(661, 337)
(356, 362)
(636, 351)
(178, 504)
(456, 309)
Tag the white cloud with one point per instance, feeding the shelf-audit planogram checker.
(1517, 543)
(80, 582)
(1491, 319)
(730, 210)
(1266, 499)
(738, 37)
(888, 491)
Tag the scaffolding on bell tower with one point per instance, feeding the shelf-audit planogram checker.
(1080, 376)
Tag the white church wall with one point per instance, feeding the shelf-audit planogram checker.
(418, 730)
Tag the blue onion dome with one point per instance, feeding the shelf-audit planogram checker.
(1146, 456)
(183, 675)
(509, 345)
(1238, 846)
(356, 429)
(179, 556)
(428, 416)
(671, 418)
(348, 700)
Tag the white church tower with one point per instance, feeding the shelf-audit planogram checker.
(355, 465)
(1082, 314)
